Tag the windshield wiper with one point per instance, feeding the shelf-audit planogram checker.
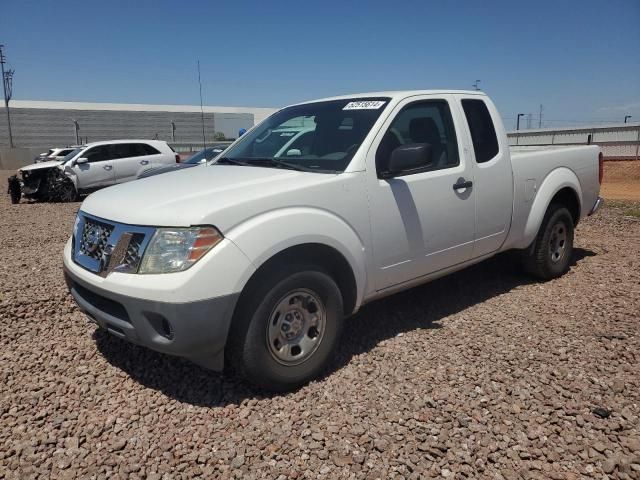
(231, 161)
(272, 162)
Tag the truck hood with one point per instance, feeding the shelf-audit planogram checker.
(165, 169)
(40, 166)
(222, 195)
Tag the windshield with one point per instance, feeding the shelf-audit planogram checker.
(320, 136)
(206, 154)
(72, 154)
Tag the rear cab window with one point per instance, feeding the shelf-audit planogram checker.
(483, 132)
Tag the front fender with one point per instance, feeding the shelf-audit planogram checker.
(263, 236)
(554, 182)
(70, 174)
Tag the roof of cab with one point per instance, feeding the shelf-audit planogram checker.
(396, 94)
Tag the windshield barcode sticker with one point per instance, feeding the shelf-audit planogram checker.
(364, 105)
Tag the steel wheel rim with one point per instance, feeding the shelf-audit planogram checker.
(558, 242)
(296, 327)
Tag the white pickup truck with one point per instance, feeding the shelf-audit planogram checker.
(254, 260)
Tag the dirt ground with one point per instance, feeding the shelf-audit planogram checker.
(482, 374)
(621, 181)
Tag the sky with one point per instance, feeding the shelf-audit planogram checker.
(580, 59)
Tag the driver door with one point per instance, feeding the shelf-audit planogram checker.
(423, 220)
(97, 171)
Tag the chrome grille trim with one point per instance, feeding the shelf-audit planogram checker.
(103, 246)
(95, 236)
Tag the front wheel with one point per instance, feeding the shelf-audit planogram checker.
(67, 192)
(286, 332)
(550, 255)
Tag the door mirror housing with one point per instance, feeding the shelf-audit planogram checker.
(82, 160)
(412, 157)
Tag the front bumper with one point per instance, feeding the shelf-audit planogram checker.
(195, 330)
(596, 206)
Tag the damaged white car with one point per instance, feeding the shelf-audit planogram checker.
(89, 168)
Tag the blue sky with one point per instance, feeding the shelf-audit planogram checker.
(580, 59)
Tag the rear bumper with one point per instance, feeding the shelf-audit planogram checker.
(194, 330)
(596, 206)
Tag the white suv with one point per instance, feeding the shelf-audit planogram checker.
(93, 166)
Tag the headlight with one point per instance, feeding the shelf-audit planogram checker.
(176, 249)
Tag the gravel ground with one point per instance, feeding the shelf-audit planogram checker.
(481, 374)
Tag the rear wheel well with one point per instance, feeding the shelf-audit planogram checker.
(568, 198)
(326, 258)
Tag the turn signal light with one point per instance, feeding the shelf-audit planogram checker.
(207, 238)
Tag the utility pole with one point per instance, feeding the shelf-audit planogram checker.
(204, 141)
(627, 116)
(173, 132)
(76, 127)
(475, 85)
(7, 85)
(540, 117)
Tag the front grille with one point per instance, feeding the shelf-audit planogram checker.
(95, 238)
(132, 256)
(102, 246)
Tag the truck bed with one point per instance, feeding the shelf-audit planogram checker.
(532, 165)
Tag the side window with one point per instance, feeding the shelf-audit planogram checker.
(483, 133)
(146, 149)
(123, 150)
(98, 154)
(422, 122)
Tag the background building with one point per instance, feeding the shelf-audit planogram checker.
(620, 141)
(39, 125)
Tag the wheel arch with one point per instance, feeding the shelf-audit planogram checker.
(324, 256)
(307, 234)
(560, 186)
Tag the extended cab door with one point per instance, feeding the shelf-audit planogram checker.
(493, 184)
(422, 220)
(97, 171)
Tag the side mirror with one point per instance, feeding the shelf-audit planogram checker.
(411, 156)
(82, 160)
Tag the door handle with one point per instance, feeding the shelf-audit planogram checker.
(107, 167)
(463, 184)
(144, 162)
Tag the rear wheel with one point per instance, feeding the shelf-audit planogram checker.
(287, 328)
(550, 255)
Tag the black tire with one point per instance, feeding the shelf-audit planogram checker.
(67, 192)
(248, 347)
(14, 190)
(551, 252)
